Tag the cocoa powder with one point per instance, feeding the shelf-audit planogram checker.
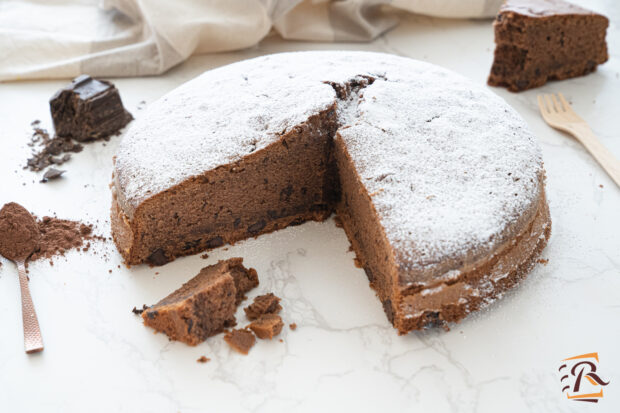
(44, 238)
(20, 234)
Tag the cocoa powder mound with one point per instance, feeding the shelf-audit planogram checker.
(61, 235)
(20, 235)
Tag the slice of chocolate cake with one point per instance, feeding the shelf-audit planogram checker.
(541, 40)
(203, 306)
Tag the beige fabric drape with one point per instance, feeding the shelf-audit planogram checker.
(63, 38)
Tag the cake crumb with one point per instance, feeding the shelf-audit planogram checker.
(263, 304)
(293, 326)
(240, 340)
(600, 185)
(543, 261)
(204, 256)
(267, 326)
(338, 221)
(138, 311)
(203, 359)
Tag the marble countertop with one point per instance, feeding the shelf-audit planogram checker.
(344, 355)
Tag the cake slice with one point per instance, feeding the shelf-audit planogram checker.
(541, 40)
(203, 306)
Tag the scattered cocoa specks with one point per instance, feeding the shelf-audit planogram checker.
(293, 326)
(49, 151)
(543, 261)
(139, 311)
(203, 359)
(61, 235)
(204, 256)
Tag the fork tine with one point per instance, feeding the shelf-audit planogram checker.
(541, 105)
(551, 108)
(558, 107)
(567, 107)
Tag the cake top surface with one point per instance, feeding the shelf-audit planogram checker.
(543, 8)
(450, 166)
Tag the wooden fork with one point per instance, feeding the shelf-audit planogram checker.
(557, 112)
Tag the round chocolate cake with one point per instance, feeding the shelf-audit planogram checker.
(438, 183)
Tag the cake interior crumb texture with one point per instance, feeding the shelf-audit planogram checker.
(438, 183)
(541, 40)
(263, 304)
(240, 340)
(267, 326)
(203, 306)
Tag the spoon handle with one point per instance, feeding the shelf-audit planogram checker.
(33, 342)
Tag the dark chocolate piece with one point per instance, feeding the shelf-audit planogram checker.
(88, 109)
(52, 173)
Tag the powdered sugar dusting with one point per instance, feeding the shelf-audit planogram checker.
(449, 165)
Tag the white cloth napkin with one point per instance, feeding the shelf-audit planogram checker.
(63, 38)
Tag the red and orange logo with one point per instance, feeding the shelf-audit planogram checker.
(580, 380)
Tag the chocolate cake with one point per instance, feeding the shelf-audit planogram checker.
(541, 40)
(267, 326)
(203, 306)
(263, 304)
(439, 184)
(240, 340)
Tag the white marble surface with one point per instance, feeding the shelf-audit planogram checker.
(344, 355)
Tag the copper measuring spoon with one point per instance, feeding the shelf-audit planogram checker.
(19, 238)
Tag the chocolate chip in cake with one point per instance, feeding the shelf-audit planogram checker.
(158, 257)
(257, 227)
(215, 242)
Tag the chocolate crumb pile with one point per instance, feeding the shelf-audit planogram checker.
(49, 151)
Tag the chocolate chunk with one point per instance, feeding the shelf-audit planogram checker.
(88, 109)
(215, 242)
(387, 307)
(256, 228)
(158, 257)
(52, 173)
